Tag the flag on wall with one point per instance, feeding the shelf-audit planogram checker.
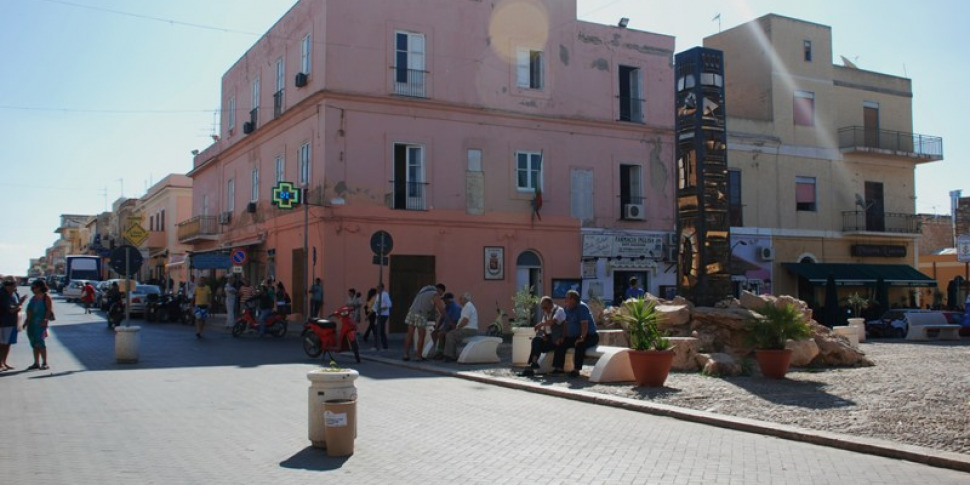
(537, 203)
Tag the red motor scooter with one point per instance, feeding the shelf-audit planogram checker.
(322, 335)
(275, 323)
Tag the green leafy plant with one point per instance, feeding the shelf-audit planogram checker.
(524, 303)
(857, 302)
(773, 326)
(643, 321)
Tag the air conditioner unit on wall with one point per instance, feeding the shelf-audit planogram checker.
(634, 212)
(301, 80)
(251, 208)
(767, 253)
(247, 127)
(225, 217)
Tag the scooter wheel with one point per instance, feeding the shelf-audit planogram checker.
(312, 344)
(280, 329)
(238, 328)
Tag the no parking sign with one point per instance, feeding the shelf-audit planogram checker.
(238, 257)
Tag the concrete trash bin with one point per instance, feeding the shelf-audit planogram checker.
(340, 419)
(326, 385)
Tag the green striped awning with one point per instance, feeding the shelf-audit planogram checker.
(855, 274)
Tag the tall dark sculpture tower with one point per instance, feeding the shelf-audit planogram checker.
(702, 204)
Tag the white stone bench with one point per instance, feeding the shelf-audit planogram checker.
(612, 363)
(480, 350)
(946, 332)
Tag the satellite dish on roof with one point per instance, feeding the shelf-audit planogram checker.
(848, 63)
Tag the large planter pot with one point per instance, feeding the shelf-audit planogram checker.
(651, 367)
(860, 325)
(774, 363)
(327, 385)
(522, 344)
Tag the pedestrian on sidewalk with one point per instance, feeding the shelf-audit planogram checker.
(353, 301)
(10, 304)
(467, 327)
(40, 312)
(425, 305)
(231, 295)
(580, 334)
(283, 301)
(201, 299)
(447, 322)
(87, 296)
(369, 312)
(382, 310)
(316, 298)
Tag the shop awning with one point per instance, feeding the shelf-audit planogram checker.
(854, 274)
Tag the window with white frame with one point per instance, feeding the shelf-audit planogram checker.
(631, 190)
(805, 196)
(305, 55)
(280, 83)
(409, 184)
(528, 171)
(254, 192)
(231, 195)
(231, 113)
(530, 68)
(409, 64)
(304, 164)
(631, 94)
(256, 93)
(280, 169)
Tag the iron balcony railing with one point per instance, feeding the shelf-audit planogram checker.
(410, 82)
(410, 196)
(277, 104)
(198, 228)
(859, 138)
(871, 221)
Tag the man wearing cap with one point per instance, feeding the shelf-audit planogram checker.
(9, 308)
(467, 327)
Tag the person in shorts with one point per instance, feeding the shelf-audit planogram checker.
(201, 299)
(9, 309)
(423, 309)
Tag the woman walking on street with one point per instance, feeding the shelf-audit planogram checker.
(40, 311)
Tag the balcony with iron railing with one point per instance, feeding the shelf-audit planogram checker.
(410, 82)
(411, 196)
(859, 139)
(198, 228)
(880, 222)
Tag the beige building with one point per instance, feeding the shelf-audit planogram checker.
(822, 161)
(158, 211)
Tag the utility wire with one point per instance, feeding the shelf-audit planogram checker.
(151, 17)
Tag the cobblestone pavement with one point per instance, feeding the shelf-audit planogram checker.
(224, 410)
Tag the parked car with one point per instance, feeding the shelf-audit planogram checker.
(959, 318)
(895, 323)
(140, 297)
(72, 292)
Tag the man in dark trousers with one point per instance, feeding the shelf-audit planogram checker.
(580, 334)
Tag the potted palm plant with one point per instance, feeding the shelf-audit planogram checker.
(652, 356)
(769, 332)
(858, 303)
(524, 303)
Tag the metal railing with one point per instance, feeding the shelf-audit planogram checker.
(631, 109)
(410, 82)
(870, 221)
(253, 117)
(922, 146)
(198, 227)
(410, 196)
(277, 104)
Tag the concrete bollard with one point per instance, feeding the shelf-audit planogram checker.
(327, 385)
(126, 344)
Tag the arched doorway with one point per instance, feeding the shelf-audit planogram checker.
(528, 271)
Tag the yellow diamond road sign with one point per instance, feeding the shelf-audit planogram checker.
(136, 234)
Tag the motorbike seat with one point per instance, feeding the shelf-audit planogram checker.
(323, 323)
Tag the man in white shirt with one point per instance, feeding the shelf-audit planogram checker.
(549, 333)
(381, 308)
(466, 327)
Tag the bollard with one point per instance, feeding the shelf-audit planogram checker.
(126, 344)
(340, 421)
(326, 385)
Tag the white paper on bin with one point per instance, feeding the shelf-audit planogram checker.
(334, 420)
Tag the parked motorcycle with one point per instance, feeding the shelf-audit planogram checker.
(153, 307)
(186, 312)
(276, 324)
(322, 335)
(116, 314)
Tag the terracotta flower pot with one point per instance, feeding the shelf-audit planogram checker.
(651, 367)
(774, 363)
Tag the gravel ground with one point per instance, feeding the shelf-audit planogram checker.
(917, 393)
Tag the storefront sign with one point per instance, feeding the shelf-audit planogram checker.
(963, 249)
(878, 251)
(622, 245)
(212, 260)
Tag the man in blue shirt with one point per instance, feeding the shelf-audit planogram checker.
(580, 334)
(634, 291)
(446, 323)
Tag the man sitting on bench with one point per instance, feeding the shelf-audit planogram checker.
(549, 334)
(467, 327)
(580, 334)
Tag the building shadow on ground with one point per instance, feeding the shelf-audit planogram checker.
(802, 393)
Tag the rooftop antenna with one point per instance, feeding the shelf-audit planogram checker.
(104, 192)
(718, 18)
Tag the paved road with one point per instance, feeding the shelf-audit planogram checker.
(225, 410)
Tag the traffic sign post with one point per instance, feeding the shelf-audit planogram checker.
(126, 260)
(381, 243)
(239, 257)
(135, 234)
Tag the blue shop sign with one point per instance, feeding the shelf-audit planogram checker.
(213, 260)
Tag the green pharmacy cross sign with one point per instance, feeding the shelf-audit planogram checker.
(286, 195)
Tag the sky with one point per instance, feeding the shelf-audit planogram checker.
(102, 98)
